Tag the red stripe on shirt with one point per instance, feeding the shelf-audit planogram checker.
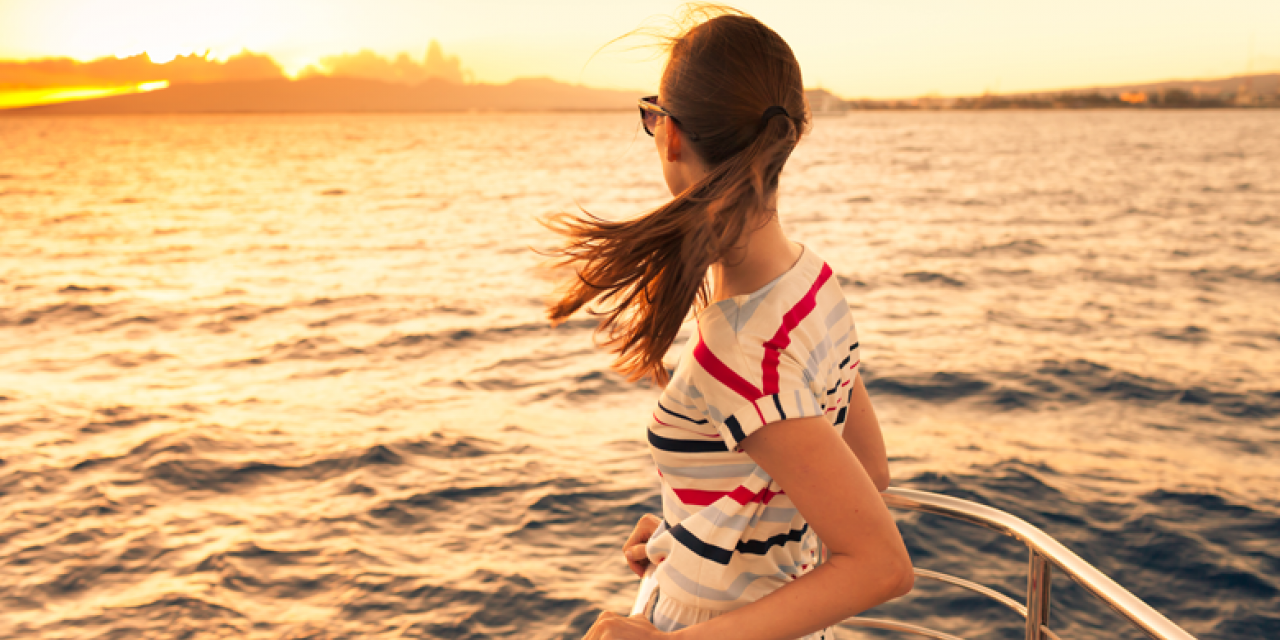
(721, 371)
(746, 496)
(773, 348)
(741, 495)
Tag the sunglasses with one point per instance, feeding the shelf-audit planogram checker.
(650, 112)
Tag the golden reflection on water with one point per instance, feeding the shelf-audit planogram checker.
(288, 365)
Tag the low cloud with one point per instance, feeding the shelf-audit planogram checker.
(51, 73)
(402, 69)
(111, 71)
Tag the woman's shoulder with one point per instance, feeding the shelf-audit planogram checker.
(807, 295)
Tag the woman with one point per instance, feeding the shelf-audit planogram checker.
(764, 437)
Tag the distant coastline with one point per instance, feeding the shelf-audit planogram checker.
(1250, 91)
(356, 95)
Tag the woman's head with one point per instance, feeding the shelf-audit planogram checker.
(722, 75)
(735, 89)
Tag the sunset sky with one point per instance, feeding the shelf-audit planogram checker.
(854, 48)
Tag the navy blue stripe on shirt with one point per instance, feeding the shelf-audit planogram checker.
(848, 400)
(685, 446)
(782, 415)
(735, 429)
(855, 346)
(692, 543)
(680, 415)
(720, 555)
(761, 547)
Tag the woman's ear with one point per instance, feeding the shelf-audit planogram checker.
(675, 141)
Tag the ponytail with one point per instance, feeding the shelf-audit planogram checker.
(650, 272)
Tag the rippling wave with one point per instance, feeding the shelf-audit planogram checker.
(269, 376)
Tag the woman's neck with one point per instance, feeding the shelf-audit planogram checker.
(761, 257)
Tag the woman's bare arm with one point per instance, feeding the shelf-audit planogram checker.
(868, 564)
(862, 434)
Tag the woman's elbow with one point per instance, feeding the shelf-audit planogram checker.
(904, 580)
(884, 578)
(896, 579)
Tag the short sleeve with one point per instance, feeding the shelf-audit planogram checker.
(744, 391)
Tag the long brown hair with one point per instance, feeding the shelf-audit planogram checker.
(724, 71)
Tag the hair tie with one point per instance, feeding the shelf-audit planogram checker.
(770, 113)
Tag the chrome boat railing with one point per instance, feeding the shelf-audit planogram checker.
(1045, 553)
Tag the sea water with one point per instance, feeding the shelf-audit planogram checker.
(291, 376)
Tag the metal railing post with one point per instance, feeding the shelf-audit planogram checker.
(1039, 572)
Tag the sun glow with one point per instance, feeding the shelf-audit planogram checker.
(887, 50)
(36, 97)
(161, 56)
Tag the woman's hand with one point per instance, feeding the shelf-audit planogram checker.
(611, 626)
(633, 550)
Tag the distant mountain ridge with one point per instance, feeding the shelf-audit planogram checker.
(328, 95)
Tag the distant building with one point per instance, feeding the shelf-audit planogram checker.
(823, 102)
(1244, 95)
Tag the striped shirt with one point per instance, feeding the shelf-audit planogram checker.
(730, 535)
